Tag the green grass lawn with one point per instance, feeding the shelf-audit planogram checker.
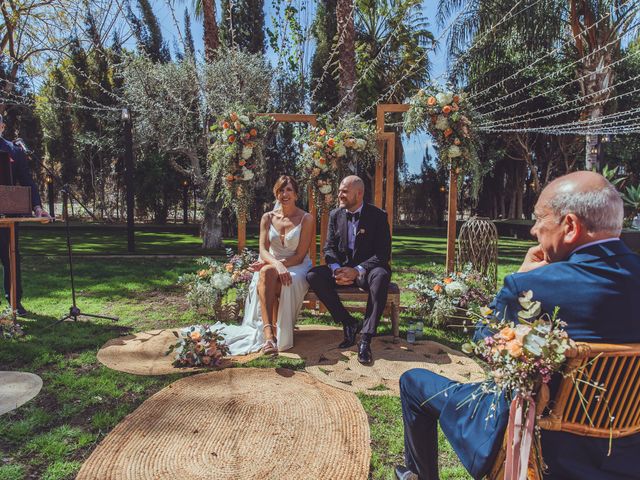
(81, 401)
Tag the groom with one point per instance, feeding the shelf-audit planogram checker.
(357, 252)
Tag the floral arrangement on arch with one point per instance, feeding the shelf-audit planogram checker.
(236, 156)
(521, 358)
(333, 152)
(448, 117)
(217, 284)
(198, 346)
(439, 299)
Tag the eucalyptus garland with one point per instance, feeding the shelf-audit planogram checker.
(236, 157)
(449, 118)
(333, 152)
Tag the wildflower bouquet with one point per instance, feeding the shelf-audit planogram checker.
(198, 346)
(236, 156)
(440, 299)
(332, 153)
(217, 282)
(521, 358)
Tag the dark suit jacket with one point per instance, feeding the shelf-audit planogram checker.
(14, 165)
(372, 246)
(597, 292)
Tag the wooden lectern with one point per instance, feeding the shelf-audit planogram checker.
(10, 223)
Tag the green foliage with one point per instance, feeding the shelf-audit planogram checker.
(242, 25)
(323, 64)
(12, 472)
(631, 197)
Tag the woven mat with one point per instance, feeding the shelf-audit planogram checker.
(340, 368)
(238, 423)
(17, 388)
(144, 354)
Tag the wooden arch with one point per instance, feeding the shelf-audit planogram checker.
(383, 194)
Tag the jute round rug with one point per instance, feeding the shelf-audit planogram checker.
(17, 388)
(145, 354)
(340, 368)
(238, 423)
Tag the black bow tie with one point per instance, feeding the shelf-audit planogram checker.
(353, 217)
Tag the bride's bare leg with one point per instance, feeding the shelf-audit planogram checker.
(268, 292)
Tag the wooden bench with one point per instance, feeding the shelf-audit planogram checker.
(355, 294)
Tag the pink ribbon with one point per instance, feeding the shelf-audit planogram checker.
(519, 437)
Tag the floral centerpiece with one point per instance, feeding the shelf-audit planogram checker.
(198, 346)
(442, 298)
(236, 156)
(333, 152)
(217, 282)
(448, 117)
(521, 358)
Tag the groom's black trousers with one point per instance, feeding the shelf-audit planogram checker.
(375, 281)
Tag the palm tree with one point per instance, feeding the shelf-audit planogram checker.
(206, 10)
(346, 54)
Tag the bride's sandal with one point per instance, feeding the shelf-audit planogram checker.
(270, 346)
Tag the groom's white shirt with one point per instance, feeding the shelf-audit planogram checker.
(352, 231)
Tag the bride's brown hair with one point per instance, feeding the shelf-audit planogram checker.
(282, 182)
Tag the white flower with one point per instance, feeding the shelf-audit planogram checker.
(326, 188)
(442, 122)
(221, 281)
(521, 331)
(455, 289)
(247, 174)
(244, 119)
(361, 144)
(454, 151)
(341, 151)
(444, 98)
(246, 153)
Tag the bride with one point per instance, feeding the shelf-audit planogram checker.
(279, 285)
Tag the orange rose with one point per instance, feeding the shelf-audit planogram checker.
(448, 132)
(431, 101)
(508, 333)
(437, 288)
(230, 178)
(322, 133)
(195, 336)
(253, 132)
(233, 116)
(232, 138)
(456, 98)
(225, 125)
(514, 348)
(446, 109)
(448, 280)
(457, 141)
(229, 267)
(331, 142)
(202, 273)
(242, 163)
(322, 160)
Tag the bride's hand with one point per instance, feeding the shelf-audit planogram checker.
(257, 266)
(283, 273)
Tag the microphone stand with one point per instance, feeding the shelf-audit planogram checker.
(74, 310)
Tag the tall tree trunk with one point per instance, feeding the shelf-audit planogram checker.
(211, 229)
(211, 39)
(347, 54)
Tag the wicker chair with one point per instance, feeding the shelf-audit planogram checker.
(581, 408)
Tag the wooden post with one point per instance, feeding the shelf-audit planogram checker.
(242, 231)
(313, 248)
(13, 294)
(391, 179)
(452, 217)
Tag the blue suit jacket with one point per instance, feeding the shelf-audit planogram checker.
(597, 290)
(19, 168)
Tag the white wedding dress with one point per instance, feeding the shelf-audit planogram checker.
(249, 337)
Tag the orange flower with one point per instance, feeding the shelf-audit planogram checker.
(322, 160)
(456, 98)
(225, 125)
(242, 163)
(331, 142)
(232, 138)
(448, 132)
(195, 335)
(446, 109)
(229, 267)
(233, 116)
(514, 348)
(230, 178)
(253, 132)
(508, 333)
(448, 280)
(437, 288)
(431, 101)
(247, 136)
(203, 273)
(457, 141)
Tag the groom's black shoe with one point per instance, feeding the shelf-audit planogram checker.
(364, 352)
(403, 473)
(350, 332)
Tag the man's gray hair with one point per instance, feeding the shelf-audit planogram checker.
(601, 210)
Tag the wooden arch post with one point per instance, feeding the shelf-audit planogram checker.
(389, 138)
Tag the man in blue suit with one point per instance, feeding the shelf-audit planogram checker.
(14, 169)
(579, 265)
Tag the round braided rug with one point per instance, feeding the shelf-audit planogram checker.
(144, 354)
(340, 368)
(17, 388)
(238, 423)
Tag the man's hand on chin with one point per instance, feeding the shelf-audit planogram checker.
(535, 258)
(345, 276)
